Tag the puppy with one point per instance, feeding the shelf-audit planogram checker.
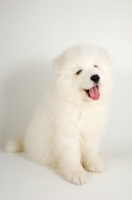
(66, 128)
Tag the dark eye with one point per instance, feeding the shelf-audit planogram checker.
(79, 72)
(95, 66)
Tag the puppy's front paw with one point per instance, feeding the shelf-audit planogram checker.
(96, 167)
(77, 177)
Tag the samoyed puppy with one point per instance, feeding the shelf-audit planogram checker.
(66, 128)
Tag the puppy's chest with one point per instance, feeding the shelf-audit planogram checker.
(89, 120)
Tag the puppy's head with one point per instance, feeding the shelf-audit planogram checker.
(83, 72)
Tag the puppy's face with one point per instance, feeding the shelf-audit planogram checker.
(89, 80)
(83, 72)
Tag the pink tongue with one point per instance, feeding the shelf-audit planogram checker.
(94, 93)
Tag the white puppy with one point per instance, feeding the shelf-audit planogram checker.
(66, 129)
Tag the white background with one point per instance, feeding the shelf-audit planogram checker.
(32, 33)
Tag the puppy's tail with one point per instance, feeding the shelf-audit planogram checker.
(13, 146)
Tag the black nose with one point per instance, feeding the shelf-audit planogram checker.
(95, 78)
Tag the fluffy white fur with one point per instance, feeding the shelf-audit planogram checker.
(66, 128)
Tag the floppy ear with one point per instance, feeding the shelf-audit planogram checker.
(58, 64)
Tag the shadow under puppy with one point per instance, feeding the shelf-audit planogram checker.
(65, 131)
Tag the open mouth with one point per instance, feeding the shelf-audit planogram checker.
(93, 92)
